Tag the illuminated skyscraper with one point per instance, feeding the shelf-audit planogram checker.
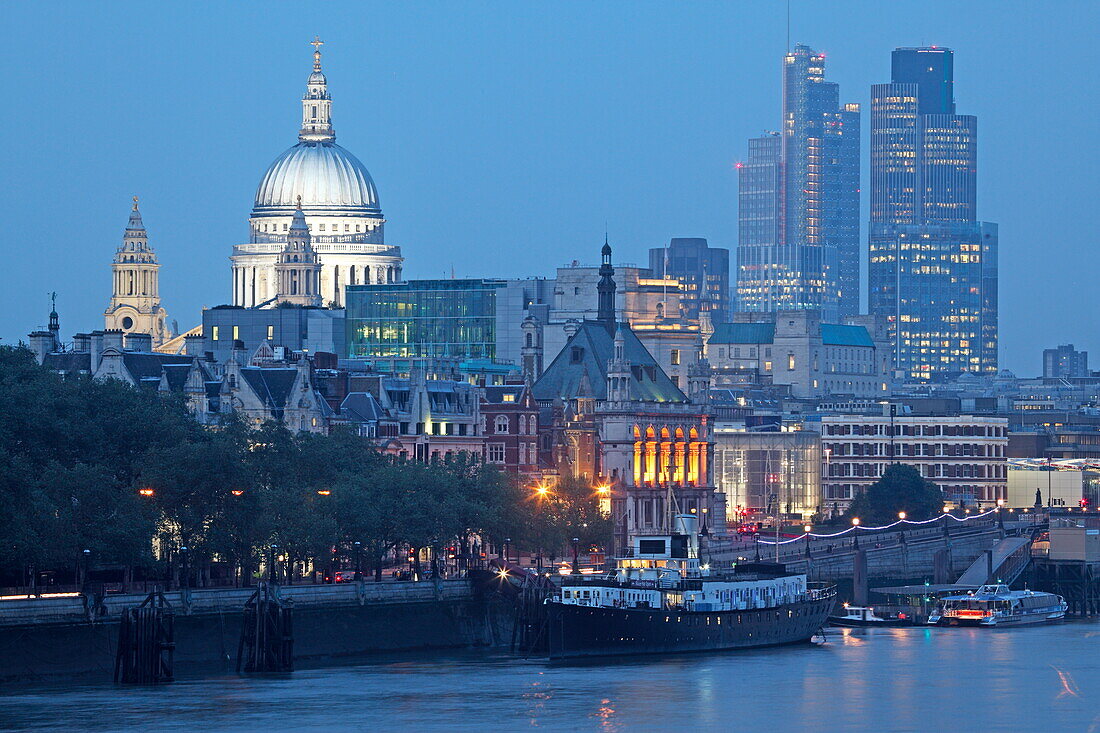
(932, 266)
(799, 201)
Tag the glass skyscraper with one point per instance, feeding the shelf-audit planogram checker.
(932, 265)
(799, 201)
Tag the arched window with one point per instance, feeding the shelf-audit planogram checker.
(529, 339)
(501, 424)
(522, 424)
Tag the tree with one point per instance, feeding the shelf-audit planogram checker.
(901, 489)
(570, 509)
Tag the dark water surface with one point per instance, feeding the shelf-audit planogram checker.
(1028, 679)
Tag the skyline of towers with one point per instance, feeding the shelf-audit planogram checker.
(932, 266)
(798, 215)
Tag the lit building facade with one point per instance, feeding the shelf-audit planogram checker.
(768, 472)
(810, 259)
(937, 290)
(423, 318)
(932, 264)
(964, 455)
(610, 415)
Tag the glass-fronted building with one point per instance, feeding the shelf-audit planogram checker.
(932, 267)
(799, 201)
(423, 318)
(937, 285)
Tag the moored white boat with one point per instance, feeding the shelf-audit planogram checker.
(997, 605)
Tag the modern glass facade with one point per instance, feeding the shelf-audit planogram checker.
(809, 257)
(759, 197)
(418, 318)
(932, 269)
(937, 286)
(758, 470)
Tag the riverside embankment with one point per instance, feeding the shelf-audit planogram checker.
(45, 637)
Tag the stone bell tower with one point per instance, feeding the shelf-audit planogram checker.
(135, 299)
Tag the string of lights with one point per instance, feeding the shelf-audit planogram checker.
(855, 526)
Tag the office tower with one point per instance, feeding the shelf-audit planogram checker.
(799, 200)
(759, 225)
(701, 269)
(932, 268)
(1065, 362)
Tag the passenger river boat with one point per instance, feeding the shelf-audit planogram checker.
(660, 598)
(997, 605)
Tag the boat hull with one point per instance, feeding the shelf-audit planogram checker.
(578, 631)
(858, 623)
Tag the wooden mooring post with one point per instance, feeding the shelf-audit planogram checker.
(146, 643)
(267, 634)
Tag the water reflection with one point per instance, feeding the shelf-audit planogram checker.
(861, 679)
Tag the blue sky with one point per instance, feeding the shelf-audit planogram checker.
(503, 135)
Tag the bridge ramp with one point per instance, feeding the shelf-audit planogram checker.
(1010, 557)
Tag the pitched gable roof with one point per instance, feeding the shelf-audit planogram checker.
(272, 386)
(581, 368)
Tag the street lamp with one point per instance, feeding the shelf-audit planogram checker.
(358, 568)
(576, 570)
(855, 533)
(507, 542)
(901, 516)
(186, 579)
(86, 557)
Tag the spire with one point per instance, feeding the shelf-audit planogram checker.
(298, 223)
(55, 324)
(135, 225)
(317, 104)
(605, 313)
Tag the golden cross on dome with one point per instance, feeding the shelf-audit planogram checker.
(299, 202)
(317, 43)
(135, 203)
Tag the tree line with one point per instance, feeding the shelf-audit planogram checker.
(127, 475)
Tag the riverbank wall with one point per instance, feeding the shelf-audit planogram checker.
(48, 638)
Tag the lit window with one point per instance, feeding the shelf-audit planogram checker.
(790, 361)
(270, 332)
(674, 357)
(767, 366)
(236, 332)
(509, 398)
(214, 333)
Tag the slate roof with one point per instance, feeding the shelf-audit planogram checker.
(361, 407)
(69, 362)
(270, 385)
(832, 334)
(580, 370)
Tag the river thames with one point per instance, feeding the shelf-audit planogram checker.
(921, 679)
